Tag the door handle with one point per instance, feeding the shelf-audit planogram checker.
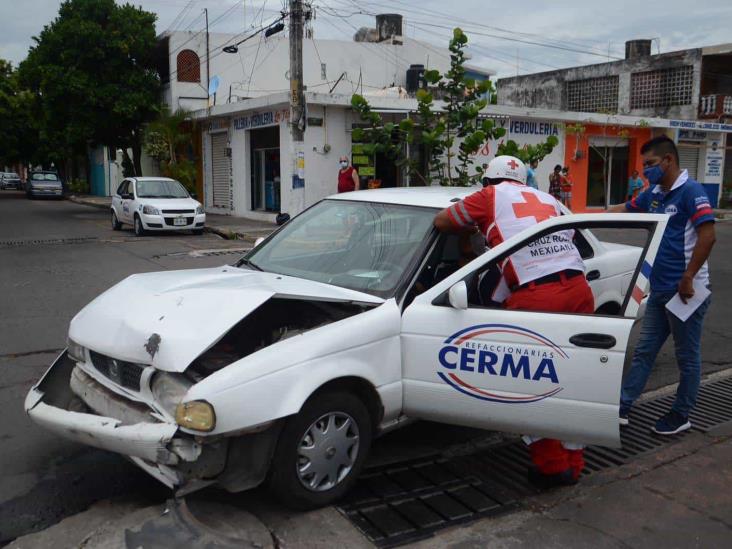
(594, 341)
(593, 275)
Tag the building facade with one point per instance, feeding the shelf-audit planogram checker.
(690, 88)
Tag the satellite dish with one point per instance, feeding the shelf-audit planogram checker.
(213, 85)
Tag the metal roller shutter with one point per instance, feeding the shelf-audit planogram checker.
(221, 171)
(689, 159)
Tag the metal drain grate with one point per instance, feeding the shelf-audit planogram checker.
(401, 503)
(46, 241)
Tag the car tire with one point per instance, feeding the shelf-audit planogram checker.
(139, 229)
(338, 456)
(116, 225)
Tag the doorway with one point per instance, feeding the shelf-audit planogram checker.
(265, 169)
(607, 175)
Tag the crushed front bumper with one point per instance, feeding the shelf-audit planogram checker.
(151, 444)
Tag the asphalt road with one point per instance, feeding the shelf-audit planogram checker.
(57, 256)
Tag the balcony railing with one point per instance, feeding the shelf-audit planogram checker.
(715, 106)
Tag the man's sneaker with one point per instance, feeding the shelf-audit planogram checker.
(672, 423)
(623, 418)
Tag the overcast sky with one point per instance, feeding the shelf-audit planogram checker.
(593, 29)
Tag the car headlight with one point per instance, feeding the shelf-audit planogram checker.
(150, 210)
(169, 390)
(200, 210)
(197, 415)
(76, 351)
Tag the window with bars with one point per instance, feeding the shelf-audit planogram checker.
(662, 88)
(593, 94)
(188, 66)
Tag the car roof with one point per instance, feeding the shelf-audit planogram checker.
(428, 197)
(148, 178)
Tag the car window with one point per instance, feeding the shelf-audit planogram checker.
(160, 188)
(363, 246)
(488, 287)
(122, 189)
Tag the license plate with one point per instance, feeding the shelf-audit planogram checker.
(180, 221)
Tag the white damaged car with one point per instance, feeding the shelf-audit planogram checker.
(349, 320)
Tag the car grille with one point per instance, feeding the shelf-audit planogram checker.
(126, 374)
(171, 221)
(178, 211)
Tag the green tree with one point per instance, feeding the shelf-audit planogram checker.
(93, 75)
(447, 125)
(17, 136)
(164, 137)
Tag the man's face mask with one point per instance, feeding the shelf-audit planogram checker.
(654, 174)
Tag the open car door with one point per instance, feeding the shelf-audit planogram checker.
(546, 374)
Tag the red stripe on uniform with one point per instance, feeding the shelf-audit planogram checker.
(637, 294)
(697, 215)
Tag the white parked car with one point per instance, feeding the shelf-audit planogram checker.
(156, 204)
(10, 180)
(338, 327)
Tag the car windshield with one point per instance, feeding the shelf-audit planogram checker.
(362, 246)
(160, 188)
(44, 177)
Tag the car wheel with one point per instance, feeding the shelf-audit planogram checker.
(321, 451)
(139, 229)
(116, 225)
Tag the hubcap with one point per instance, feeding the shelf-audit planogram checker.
(327, 451)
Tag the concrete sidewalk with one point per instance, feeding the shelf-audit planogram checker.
(226, 226)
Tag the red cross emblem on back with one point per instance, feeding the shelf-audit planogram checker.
(512, 164)
(533, 207)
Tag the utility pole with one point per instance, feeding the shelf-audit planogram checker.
(208, 55)
(297, 104)
(296, 86)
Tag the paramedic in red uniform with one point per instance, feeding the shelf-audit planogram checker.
(548, 283)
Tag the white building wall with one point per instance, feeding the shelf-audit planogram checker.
(261, 68)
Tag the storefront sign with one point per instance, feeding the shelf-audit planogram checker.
(714, 160)
(261, 119)
(532, 127)
(218, 124)
(695, 125)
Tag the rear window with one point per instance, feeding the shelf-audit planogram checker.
(44, 177)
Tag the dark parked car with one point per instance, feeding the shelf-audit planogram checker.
(44, 184)
(9, 180)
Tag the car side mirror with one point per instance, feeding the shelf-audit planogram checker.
(458, 295)
(258, 241)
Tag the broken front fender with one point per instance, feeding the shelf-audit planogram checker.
(51, 404)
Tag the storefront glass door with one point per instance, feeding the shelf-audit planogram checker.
(607, 177)
(266, 180)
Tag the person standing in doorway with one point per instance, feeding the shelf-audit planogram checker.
(531, 175)
(555, 182)
(635, 185)
(347, 177)
(680, 268)
(565, 184)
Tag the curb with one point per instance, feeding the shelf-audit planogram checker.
(77, 200)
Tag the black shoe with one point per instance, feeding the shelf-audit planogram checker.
(672, 423)
(545, 482)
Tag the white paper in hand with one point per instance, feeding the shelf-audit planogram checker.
(685, 310)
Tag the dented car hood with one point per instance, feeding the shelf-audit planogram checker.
(168, 319)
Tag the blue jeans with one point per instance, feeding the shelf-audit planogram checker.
(658, 323)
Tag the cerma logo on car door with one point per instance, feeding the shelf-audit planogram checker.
(464, 359)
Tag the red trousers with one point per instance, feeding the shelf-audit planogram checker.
(570, 295)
